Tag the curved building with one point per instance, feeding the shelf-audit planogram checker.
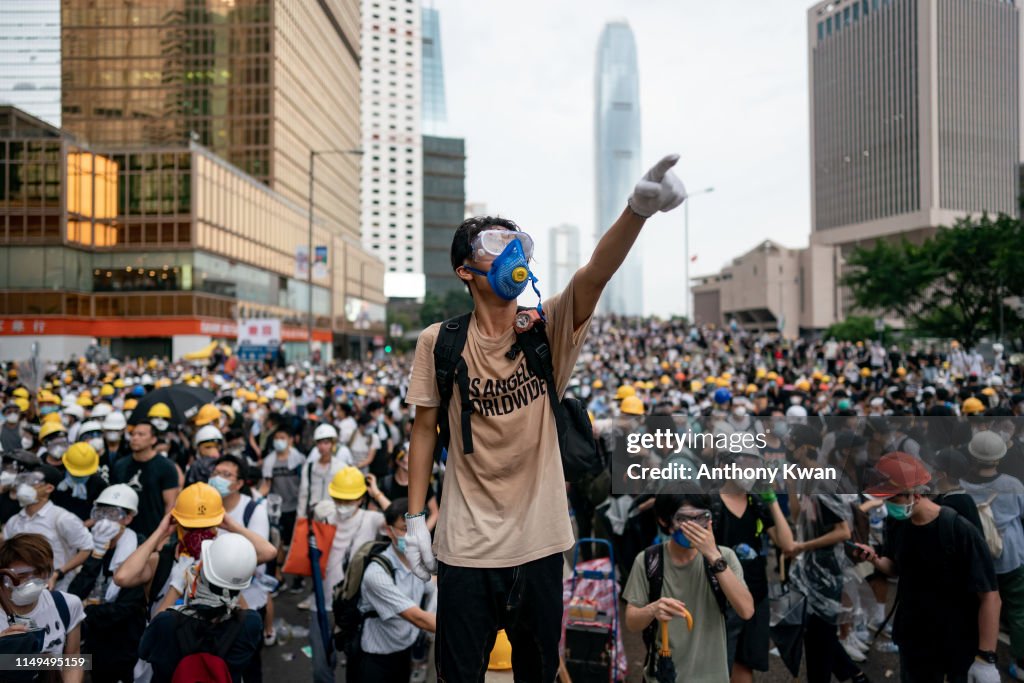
(617, 155)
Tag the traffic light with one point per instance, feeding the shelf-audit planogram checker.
(387, 349)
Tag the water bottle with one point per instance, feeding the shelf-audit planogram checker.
(744, 552)
(274, 503)
(283, 630)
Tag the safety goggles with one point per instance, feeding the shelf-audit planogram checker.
(493, 242)
(30, 478)
(100, 512)
(702, 519)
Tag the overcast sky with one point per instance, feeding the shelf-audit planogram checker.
(722, 84)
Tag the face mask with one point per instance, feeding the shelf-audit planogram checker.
(56, 450)
(400, 544)
(781, 429)
(26, 442)
(112, 436)
(276, 406)
(739, 411)
(12, 418)
(222, 485)
(509, 273)
(235, 450)
(346, 511)
(680, 539)
(27, 592)
(160, 423)
(1006, 435)
(46, 410)
(7, 479)
(27, 495)
(899, 512)
(280, 446)
(795, 400)
(97, 444)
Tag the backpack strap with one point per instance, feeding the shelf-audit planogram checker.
(451, 339)
(654, 568)
(250, 508)
(62, 608)
(227, 640)
(384, 563)
(537, 350)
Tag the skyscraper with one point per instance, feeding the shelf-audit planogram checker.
(617, 154)
(392, 179)
(915, 114)
(564, 252)
(435, 112)
(30, 57)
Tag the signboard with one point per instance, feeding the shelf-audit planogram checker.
(302, 262)
(259, 332)
(320, 263)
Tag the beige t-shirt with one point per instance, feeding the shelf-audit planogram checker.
(504, 504)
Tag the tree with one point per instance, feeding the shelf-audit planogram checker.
(435, 308)
(856, 328)
(952, 285)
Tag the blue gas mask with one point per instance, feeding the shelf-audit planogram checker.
(510, 272)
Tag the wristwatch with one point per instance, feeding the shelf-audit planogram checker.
(60, 574)
(987, 656)
(719, 565)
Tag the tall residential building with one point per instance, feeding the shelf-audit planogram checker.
(260, 83)
(30, 57)
(435, 112)
(444, 200)
(617, 155)
(915, 114)
(564, 252)
(392, 179)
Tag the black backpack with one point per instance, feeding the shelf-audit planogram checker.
(348, 620)
(580, 456)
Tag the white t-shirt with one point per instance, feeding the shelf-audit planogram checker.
(126, 545)
(255, 596)
(45, 616)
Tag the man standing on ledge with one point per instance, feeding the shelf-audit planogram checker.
(504, 518)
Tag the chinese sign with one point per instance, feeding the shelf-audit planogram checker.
(259, 332)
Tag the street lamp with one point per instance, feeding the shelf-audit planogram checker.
(686, 249)
(313, 153)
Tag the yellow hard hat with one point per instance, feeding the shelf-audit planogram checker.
(751, 388)
(901, 371)
(130, 403)
(722, 382)
(199, 506)
(760, 373)
(119, 383)
(664, 365)
(360, 392)
(22, 404)
(696, 385)
(624, 391)
(68, 378)
(648, 385)
(20, 392)
(106, 390)
(152, 364)
(865, 372)
(597, 384)
(262, 399)
(988, 391)
(711, 380)
(665, 379)
(163, 382)
(501, 653)
(639, 383)
(280, 395)
(972, 406)
(85, 400)
(47, 397)
(803, 385)
(726, 376)
(81, 459)
(816, 375)
(207, 414)
(51, 427)
(160, 410)
(367, 380)
(631, 405)
(348, 484)
(772, 376)
(52, 417)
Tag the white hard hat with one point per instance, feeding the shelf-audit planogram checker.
(325, 432)
(796, 411)
(114, 422)
(228, 561)
(69, 400)
(146, 379)
(120, 495)
(208, 433)
(102, 410)
(89, 426)
(77, 411)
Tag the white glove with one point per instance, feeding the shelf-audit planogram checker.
(323, 510)
(417, 547)
(982, 672)
(659, 190)
(103, 532)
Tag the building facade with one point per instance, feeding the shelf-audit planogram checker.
(435, 110)
(444, 199)
(617, 155)
(30, 57)
(392, 173)
(158, 251)
(564, 255)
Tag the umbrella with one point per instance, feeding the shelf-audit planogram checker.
(666, 668)
(183, 400)
(321, 610)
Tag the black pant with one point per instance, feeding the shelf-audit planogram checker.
(374, 668)
(825, 656)
(118, 673)
(473, 604)
(925, 670)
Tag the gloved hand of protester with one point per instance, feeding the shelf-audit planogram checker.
(982, 672)
(103, 532)
(323, 510)
(417, 547)
(659, 190)
(768, 497)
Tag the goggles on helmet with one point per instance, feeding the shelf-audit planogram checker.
(493, 242)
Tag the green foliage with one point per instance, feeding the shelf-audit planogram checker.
(856, 328)
(435, 308)
(952, 285)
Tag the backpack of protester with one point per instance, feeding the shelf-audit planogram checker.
(202, 650)
(580, 455)
(348, 620)
(993, 539)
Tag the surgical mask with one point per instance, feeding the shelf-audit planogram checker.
(346, 511)
(280, 446)
(400, 544)
(56, 450)
(222, 485)
(781, 428)
(899, 512)
(12, 418)
(112, 436)
(680, 539)
(510, 272)
(26, 442)
(276, 406)
(739, 411)
(27, 495)
(7, 479)
(160, 423)
(46, 410)
(97, 444)
(235, 450)
(27, 592)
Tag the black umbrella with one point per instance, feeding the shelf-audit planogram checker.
(183, 400)
(665, 672)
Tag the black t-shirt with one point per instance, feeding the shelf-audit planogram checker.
(731, 531)
(962, 502)
(393, 490)
(148, 479)
(8, 507)
(81, 508)
(159, 644)
(938, 590)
